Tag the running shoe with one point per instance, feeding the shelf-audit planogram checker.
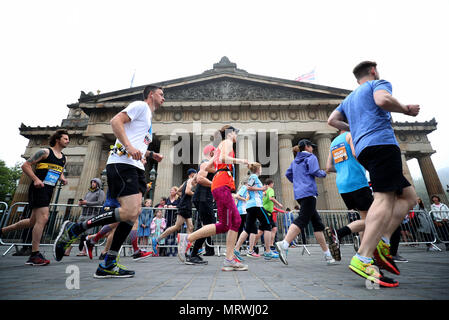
(282, 252)
(89, 247)
(252, 254)
(183, 246)
(371, 273)
(398, 258)
(329, 260)
(64, 239)
(238, 256)
(384, 258)
(195, 260)
(332, 241)
(270, 255)
(201, 251)
(37, 260)
(113, 270)
(233, 265)
(141, 254)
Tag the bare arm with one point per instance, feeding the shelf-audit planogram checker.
(189, 190)
(330, 164)
(337, 120)
(277, 203)
(28, 169)
(118, 128)
(224, 156)
(201, 177)
(351, 144)
(387, 102)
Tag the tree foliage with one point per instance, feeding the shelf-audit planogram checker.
(9, 177)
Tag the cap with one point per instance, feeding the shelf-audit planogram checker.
(207, 149)
(232, 129)
(305, 142)
(190, 171)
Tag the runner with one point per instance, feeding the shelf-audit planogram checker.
(184, 213)
(302, 173)
(49, 168)
(222, 185)
(352, 185)
(204, 203)
(255, 210)
(366, 113)
(126, 181)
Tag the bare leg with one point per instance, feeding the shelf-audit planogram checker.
(204, 232)
(319, 236)
(179, 221)
(231, 238)
(292, 233)
(377, 220)
(41, 216)
(242, 238)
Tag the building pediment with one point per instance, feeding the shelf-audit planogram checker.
(225, 82)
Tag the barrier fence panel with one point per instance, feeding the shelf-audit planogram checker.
(440, 219)
(418, 227)
(58, 213)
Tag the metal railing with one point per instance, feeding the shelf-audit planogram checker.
(419, 227)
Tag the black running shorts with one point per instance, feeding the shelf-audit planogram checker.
(185, 213)
(360, 199)
(39, 197)
(125, 180)
(384, 165)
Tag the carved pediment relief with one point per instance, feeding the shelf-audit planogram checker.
(239, 90)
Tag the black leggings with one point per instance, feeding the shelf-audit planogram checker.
(260, 214)
(207, 216)
(308, 213)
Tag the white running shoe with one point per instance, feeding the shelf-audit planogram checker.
(282, 252)
(233, 265)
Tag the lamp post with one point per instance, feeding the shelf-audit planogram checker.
(153, 176)
(51, 224)
(104, 178)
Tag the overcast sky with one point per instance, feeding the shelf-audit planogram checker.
(51, 50)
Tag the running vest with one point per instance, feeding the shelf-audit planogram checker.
(49, 170)
(351, 175)
(203, 193)
(186, 200)
(223, 175)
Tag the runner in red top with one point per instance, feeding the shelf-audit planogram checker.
(222, 185)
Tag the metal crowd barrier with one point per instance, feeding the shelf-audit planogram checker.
(419, 227)
(58, 213)
(441, 225)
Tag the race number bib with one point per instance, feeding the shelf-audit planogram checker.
(52, 177)
(339, 153)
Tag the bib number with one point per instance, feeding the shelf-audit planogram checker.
(52, 177)
(339, 153)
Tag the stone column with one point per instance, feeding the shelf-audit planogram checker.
(285, 159)
(164, 180)
(90, 165)
(405, 169)
(245, 150)
(430, 176)
(333, 198)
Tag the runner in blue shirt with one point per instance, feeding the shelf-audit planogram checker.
(366, 113)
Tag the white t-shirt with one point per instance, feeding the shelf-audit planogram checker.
(138, 130)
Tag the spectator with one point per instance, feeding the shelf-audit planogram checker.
(91, 203)
(441, 219)
(172, 203)
(157, 228)
(173, 199)
(145, 218)
(162, 202)
(424, 228)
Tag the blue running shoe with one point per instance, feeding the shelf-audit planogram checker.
(113, 270)
(64, 239)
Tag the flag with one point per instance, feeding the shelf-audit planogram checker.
(310, 76)
(132, 79)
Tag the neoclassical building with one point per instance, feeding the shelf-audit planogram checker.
(273, 115)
